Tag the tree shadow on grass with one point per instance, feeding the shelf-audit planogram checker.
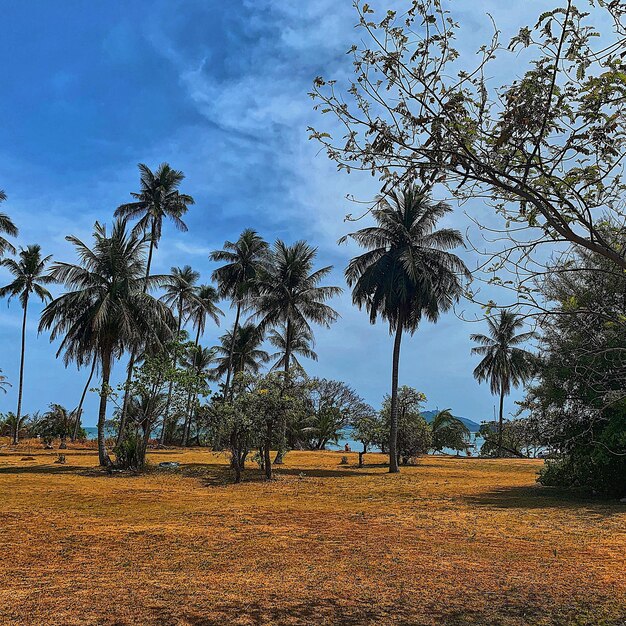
(538, 497)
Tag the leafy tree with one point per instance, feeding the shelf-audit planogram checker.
(449, 432)
(334, 406)
(545, 148)
(7, 227)
(517, 438)
(414, 436)
(578, 400)
(406, 274)
(504, 364)
(106, 310)
(243, 353)
(368, 428)
(290, 295)
(28, 278)
(236, 279)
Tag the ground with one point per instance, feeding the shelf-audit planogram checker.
(446, 542)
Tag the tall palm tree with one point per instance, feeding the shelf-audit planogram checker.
(301, 344)
(236, 279)
(197, 361)
(290, 294)
(505, 364)
(243, 353)
(407, 273)
(180, 295)
(107, 309)
(4, 383)
(203, 305)
(159, 199)
(7, 227)
(29, 278)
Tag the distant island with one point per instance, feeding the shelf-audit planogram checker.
(429, 416)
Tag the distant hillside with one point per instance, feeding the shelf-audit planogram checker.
(429, 416)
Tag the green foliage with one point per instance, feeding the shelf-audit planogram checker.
(449, 432)
(520, 437)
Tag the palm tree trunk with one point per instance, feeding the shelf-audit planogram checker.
(103, 457)
(21, 385)
(79, 410)
(280, 454)
(500, 423)
(188, 410)
(131, 361)
(393, 430)
(232, 350)
(171, 385)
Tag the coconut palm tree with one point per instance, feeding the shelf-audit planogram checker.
(180, 295)
(290, 294)
(4, 383)
(197, 362)
(406, 274)
(28, 278)
(447, 428)
(159, 199)
(203, 305)
(505, 364)
(107, 309)
(301, 344)
(236, 279)
(243, 353)
(7, 227)
(14, 424)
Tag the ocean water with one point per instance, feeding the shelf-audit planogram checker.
(475, 442)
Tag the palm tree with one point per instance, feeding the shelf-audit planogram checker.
(301, 344)
(242, 353)
(203, 305)
(29, 278)
(107, 309)
(14, 424)
(290, 294)
(504, 364)
(446, 427)
(62, 419)
(197, 361)
(407, 273)
(236, 279)
(180, 295)
(7, 227)
(158, 199)
(4, 383)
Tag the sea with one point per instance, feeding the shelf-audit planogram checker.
(475, 442)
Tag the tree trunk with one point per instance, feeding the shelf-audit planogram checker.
(79, 410)
(361, 455)
(500, 423)
(280, 454)
(171, 385)
(133, 355)
(21, 385)
(232, 350)
(266, 452)
(103, 456)
(393, 430)
(189, 410)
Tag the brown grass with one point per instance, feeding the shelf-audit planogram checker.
(450, 541)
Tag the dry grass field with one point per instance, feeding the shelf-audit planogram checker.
(447, 542)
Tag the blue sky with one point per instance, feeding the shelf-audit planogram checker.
(219, 90)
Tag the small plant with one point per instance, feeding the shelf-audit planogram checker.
(344, 460)
(60, 459)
